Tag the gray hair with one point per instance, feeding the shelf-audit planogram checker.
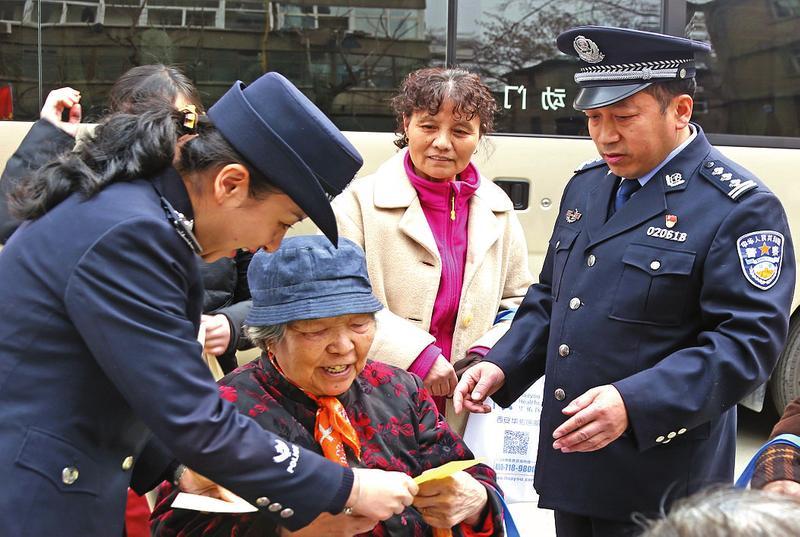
(263, 336)
(729, 512)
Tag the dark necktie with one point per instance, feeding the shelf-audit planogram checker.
(625, 191)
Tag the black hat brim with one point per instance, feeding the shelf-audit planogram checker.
(266, 151)
(591, 97)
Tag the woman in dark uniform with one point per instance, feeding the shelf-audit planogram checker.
(101, 381)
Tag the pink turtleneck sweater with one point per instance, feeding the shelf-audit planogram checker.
(446, 208)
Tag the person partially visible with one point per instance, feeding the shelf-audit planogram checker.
(445, 250)
(313, 317)
(663, 299)
(48, 137)
(226, 301)
(53, 134)
(729, 512)
(778, 467)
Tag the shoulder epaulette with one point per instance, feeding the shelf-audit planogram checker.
(589, 164)
(730, 179)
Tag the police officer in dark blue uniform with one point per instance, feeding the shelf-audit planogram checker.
(102, 384)
(663, 300)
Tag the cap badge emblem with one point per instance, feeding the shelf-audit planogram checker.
(671, 220)
(587, 50)
(573, 215)
(674, 180)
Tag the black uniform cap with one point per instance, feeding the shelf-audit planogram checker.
(615, 63)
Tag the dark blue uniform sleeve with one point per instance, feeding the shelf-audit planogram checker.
(43, 143)
(128, 299)
(745, 329)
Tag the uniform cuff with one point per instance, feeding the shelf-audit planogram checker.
(340, 499)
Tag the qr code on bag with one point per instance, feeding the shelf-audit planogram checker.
(515, 442)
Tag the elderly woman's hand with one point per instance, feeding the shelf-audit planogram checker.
(452, 500)
(327, 525)
(441, 379)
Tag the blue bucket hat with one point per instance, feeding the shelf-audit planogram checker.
(309, 278)
(615, 63)
(286, 138)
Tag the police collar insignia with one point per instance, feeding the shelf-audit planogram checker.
(182, 225)
(573, 215)
(761, 254)
(674, 179)
(587, 50)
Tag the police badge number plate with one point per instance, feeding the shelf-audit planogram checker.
(761, 253)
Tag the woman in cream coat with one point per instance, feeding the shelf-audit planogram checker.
(445, 251)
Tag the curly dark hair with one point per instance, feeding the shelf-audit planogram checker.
(426, 89)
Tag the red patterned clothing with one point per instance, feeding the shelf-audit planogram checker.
(398, 426)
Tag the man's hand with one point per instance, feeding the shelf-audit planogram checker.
(598, 418)
(378, 495)
(476, 384)
(194, 483)
(441, 378)
(218, 333)
(327, 525)
(784, 487)
(57, 101)
(446, 502)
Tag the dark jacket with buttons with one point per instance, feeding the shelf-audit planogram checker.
(100, 303)
(680, 300)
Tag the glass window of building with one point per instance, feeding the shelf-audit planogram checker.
(349, 57)
(750, 82)
(511, 43)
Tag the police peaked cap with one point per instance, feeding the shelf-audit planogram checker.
(615, 63)
(286, 138)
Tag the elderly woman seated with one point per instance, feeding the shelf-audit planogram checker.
(313, 316)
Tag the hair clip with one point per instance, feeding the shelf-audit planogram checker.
(190, 119)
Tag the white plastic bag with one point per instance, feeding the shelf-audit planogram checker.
(507, 439)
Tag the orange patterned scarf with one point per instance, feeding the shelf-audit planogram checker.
(332, 428)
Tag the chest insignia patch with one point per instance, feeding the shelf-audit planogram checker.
(573, 215)
(761, 254)
(670, 221)
(674, 179)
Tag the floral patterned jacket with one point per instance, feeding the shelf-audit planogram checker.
(398, 426)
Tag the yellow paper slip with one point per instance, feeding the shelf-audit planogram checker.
(445, 470)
